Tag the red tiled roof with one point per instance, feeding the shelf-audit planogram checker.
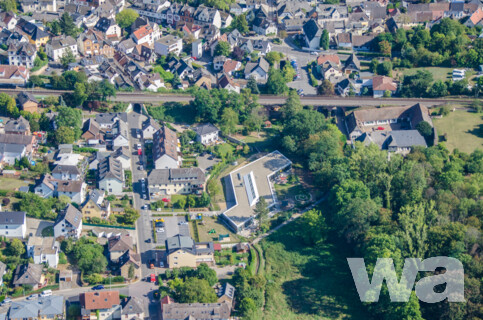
(217, 246)
(142, 32)
(382, 83)
(328, 57)
(99, 300)
(230, 65)
(477, 16)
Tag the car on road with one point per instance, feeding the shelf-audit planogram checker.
(138, 146)
(33, 296)
(144, 197)
(138, 134)
(183, 223)
(145, 207)
(98, 287)
(143, 180)
(300, 92)
(148, 240)
(314, 53)
(7, 300)
(141, 168)
(161, 264)
(46, 293)
(160, 230)
(143, 186)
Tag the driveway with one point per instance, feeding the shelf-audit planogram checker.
(205, 162)
(172, 228)
(35, 226)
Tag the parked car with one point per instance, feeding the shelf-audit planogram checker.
(161, 264)
(98, 287)
(153, 278)
(182, 223)
(144, 197)
(33, 296)
(160, 230)
(141, 168)
(148, 241)
(46, 293)
(7, 300)
(314, 53)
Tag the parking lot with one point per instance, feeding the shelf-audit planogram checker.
(171, 228)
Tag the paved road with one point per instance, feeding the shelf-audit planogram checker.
(142, 97)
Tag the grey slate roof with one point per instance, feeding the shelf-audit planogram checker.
(406, 138)
(194, 311)
(33, 309)
(312, 29)
(66, 169)
(110, 168)
(178, 175)
(110, 118)
(131, 305)
(71, 215)
(62, 42)
(206, 128)
(12, 217)
(19, 125)
(179, 242)
(25, 96)
(28, 274)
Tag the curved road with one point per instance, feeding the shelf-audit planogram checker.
(143, 97)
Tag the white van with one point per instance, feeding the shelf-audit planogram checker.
(46, 293)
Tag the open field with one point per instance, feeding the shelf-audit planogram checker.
(308, 282)
(213, 223)
(12, 183)
(463, 129)
(437, 72)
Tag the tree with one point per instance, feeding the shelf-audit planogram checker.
(425, 129)
(324, 40)
(204, 200)
(385, 47)
(181, 202)
(253, 86)
(276, 82)
(222, 49)
(255, 120)
(8, 106)
(191, 201)
(130, 215)
(238, 53)
(80, 95)
(373, 65)
(64, 135)
(438, 89)
(273, 57)
(55, 27)
(67, 25)
(130, 271)
(326, 88)
(69, 117)
(195, 290)
(385, 68)
(261, 209)
(67, 58)
(417, 85)
(229, 121)
(126, 18)
(107, 89)
(89, 256)
(240, 23)
(206, 273)
(315, 228)
(288, 73)
(16, 248)
(9, 5)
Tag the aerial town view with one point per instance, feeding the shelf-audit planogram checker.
(241, 159)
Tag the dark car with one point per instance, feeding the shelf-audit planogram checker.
(98, 287)
(148, 241)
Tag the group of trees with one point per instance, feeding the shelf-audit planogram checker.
(228, 109)
(191, 285)
(88, 255)
(69, 122)
(65, 26)
(445, 44)
(40, 208)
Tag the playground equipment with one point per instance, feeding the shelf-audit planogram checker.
(199, 216)
(212, 231)
(223, 236)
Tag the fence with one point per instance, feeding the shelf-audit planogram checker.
(108, 226)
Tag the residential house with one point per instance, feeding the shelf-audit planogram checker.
(226, 82)
(126, 46)
(218, 62)
(312, 33)
(258, 70)
(230, 66)
(18, 126)
(344, 41)
(143, 53)
(263, 46)
(397, 141)
(3, 271)
(58, 47)
(207, 133)
(347, 87)
(14, 75)
(383, 84)
(119, 134)
(132, 308)
(91, 130)
(197, 49)
(182, 251)
(67, 172)
(29, 274)
(39, 5)
(227, 292)
(183, 311)
(165, 182)
(45, 308)
(43, 250)
(150, 126)
(151, 82)
(46, 187)
(108, 120)
(367, 120)
(27, 102)
(264, 26)
(331, 71)
(13, 224)
(352, 64)
(476, 19)
(145, 34)
(96, 206)
(15, 146)
(9, 20)
(206, 15)
(34, 33)
(123, 155)
(165, 149)
(110, 176)
(68, 223)
(22, 54)
(109, 27)
(168, 44)
(130, 262)
(74, 190)
(92, 43)
(362, 43)
(100, 305)
(117, 246)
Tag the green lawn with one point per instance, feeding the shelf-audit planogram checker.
(308, 282)
(438, 73)
(173, 112)
(463, 129)
(220, 228)
(11, 183)
(224, 149)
